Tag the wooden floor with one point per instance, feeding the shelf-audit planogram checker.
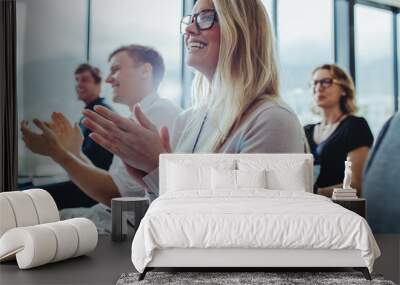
(102, 266)
(389, 262)
(110, 260)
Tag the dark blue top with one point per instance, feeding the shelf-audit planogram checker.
(99, 156)
(351, 133)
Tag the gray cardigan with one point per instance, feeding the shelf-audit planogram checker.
(271, 128)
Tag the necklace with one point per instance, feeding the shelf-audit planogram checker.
(323, 130)
(336, 120)
(198, 135)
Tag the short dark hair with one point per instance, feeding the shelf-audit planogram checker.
(145, 54)
(94, 71)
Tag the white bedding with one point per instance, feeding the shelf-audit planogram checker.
(251, 218)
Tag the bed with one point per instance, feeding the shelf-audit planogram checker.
(246, 211)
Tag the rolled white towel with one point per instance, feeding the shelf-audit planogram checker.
(26, 208)
(45, 205)
(66, 238)
(40, 244)
(23, 208)
(32, 246)
(87, 235)
(7, 218)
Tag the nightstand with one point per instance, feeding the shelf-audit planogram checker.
(358, 206)
(119, 211)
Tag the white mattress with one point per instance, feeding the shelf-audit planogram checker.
(252, 218)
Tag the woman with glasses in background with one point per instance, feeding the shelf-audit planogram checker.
(340, 134)
(236, 103)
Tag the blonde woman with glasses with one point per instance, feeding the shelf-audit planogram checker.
(340, 134)
(236, 103)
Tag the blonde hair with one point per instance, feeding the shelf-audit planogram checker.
(348, 101)
(246, 70)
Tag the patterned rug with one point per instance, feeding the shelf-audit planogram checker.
(242, 278)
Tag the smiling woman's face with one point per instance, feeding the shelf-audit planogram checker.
(203, 46)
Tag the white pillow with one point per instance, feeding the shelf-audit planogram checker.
(191, 174)
(293, 180)
(223, 179)
(181, 177)
(281, 174)
(251, 178)
(236, 179)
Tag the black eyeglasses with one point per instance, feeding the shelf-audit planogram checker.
(204, 20)
(325, 82)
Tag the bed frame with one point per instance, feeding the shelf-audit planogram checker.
(250, 259)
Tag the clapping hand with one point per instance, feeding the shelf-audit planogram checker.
(45, 143)
(138, 144)
(68, 135)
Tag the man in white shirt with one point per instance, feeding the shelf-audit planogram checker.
(135, 74)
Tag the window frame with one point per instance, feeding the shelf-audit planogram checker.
(395, 11)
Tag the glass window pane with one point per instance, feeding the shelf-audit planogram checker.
(398, 62)
(125, 22)
(303, 45)
(374, 64)
(51, 40)
(269, 5)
